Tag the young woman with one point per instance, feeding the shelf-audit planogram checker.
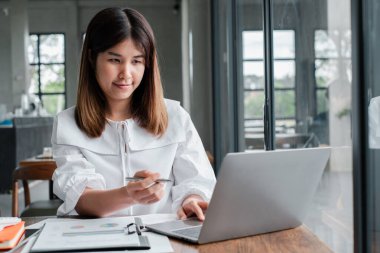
(123, 127)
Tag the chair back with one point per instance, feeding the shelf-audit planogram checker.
(37, 172)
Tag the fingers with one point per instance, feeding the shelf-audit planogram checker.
(203, 205)
(146, 190)
(197, 210)
(152, 198)
(143, 195)
(148, 181)
(195, 207)
(181, 214)
(152, 192)
(146, 173)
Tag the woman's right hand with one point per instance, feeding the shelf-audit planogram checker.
(145, 191)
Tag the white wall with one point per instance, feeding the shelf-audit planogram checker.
(196, 65)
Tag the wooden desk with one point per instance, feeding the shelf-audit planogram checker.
(300, 239)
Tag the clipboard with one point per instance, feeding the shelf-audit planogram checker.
(83, 235)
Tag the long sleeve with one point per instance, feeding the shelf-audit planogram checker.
(73, 174)
(192, 170)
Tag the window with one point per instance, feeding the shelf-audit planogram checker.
(332, 50)
(284, 76)
(310, 56)
(47, 70)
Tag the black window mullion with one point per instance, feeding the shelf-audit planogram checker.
(269, 119)
(39, 69)
(362, 239)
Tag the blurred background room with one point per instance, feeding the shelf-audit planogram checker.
(251, 81)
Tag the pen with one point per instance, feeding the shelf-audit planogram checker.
(161, 180)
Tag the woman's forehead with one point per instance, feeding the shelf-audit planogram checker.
(128, 46)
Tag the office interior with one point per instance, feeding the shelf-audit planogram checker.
(218, 58)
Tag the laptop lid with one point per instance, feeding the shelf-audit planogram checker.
(256, 192)
(260, 192)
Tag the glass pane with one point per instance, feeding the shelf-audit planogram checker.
(253, 126)
(370, 209)
(322, 100)
(285, 104)
(285, 126)
(253, 74)
(32, 49)
(253, 47)
(326, 72)
(53, 103)
(346, 44)
(253, 104)
(52, 48)
(319, 125)
(320, 107)
(253, 44)
(284, 74)
(283, 44)
(326, 44)
(33, 74)
(52, 78)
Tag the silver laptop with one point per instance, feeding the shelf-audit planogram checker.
(256, 192)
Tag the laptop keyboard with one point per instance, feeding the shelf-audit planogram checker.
(193, 232)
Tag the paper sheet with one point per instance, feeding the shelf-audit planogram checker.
(39, 224)
(158, 243)
(82, 234)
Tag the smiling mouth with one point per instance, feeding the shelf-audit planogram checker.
(122, 84)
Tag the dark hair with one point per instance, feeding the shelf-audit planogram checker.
(108, 28)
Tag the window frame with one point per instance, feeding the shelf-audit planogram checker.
(276, 89)
(41, 94)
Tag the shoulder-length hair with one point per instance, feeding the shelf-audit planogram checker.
(108, 28)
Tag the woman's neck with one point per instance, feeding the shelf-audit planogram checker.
(118, 111)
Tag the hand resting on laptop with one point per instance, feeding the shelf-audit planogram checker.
(193, 205)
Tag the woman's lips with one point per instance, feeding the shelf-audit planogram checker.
(122, 85)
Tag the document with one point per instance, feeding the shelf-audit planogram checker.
(80, 234)
(158, 243)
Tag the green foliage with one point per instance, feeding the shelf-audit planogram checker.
(254, 104)
(285, 104)
(343, 112)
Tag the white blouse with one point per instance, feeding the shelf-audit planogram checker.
(125, 148)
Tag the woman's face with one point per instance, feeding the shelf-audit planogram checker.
(119, 71)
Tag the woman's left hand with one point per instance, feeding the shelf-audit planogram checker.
(193, 205)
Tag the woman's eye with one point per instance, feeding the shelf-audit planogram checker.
(136, 61)
(114, 60)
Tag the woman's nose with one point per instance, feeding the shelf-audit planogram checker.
(125, 72)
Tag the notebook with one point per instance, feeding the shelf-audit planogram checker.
(10, 235)
(257, 192)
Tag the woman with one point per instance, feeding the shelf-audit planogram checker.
(123, 127)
